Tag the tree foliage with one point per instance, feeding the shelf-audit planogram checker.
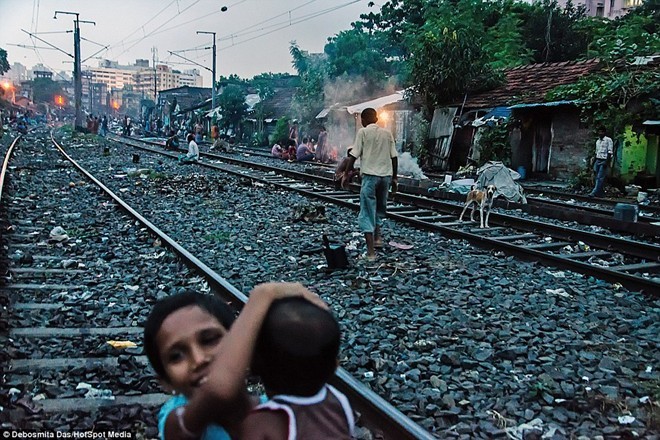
(4, 64)
(447, 64)
(44, 90)
(232, 105)
(626, 89)
(309, 98)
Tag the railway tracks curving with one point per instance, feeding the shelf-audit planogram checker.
(61, 371)
(633, 263)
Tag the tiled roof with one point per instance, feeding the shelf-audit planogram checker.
(279, 104)
(529, 84)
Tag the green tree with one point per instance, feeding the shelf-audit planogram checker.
(4, 64)
(625, 91)
(232, 106)
(505, 43)
(447, 64)
(44, 90)
(358, 53)
(554, 34)
(309, 98)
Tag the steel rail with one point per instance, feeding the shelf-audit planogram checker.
(379, 415)
(584, 198)
(638, 249)
(5, 163)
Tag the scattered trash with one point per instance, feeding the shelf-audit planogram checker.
(369, 375)
(558, 274)
(132, 288)
(521, 431)
(58, 234)
(122, 344)
(66, 264)
(559, 292)
(626, 420)
(309, 213)
(95, 393)
(644, 399)
(402, 246)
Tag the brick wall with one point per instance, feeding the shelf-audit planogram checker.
(571, 144)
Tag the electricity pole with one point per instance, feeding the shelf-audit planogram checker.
(77, 71)
(213, 83)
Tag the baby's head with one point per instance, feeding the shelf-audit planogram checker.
(181, 337)
(297, 348)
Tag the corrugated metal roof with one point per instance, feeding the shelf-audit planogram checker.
(651, 122)
(377, 103)
(544, 104)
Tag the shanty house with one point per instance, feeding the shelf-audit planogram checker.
(549, 139)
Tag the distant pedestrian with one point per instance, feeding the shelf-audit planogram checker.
(604, 152)
(293, 132)
(374, 146)
(321, 146)
(104, 126)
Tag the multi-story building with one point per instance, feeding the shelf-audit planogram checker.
(605, 8)
(141, 77)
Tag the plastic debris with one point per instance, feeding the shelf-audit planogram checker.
(131, 288)
(95, 393)
(58, 234)
(559, 292)
(369, 375)
(644, 399)
(402, 246)
(122, 344)
(558, 274)
(626, 420)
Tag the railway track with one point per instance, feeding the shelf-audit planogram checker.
(62, 374)
(632, 263)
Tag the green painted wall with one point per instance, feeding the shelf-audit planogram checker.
(633, 154)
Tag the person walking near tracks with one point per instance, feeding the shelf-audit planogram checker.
(374, 146)
(604, 152)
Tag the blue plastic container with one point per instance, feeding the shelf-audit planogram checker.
(522, 171)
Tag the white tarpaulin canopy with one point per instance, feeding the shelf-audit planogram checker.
(377, 103)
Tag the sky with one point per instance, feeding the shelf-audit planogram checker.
(252, 36)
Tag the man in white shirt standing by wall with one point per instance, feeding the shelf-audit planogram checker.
(375, 148)
(604, 152)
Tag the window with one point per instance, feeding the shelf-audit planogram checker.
(600, 11)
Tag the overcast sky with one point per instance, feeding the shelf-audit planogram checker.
(253, 36)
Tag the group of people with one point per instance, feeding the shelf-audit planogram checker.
(285, 334)
(303, 152)
(96, 126)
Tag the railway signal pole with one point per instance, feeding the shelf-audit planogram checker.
(77, 68)
(213, 70)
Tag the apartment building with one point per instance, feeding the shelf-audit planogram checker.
(605, 8)
(138, 77)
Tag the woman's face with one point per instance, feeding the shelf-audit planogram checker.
(188, 342)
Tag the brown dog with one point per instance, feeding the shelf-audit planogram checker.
(482, 198)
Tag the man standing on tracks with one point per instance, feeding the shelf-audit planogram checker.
(374, 146)
(604, 152)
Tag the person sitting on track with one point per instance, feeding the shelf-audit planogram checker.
(201, 355)
(305, 151)
(295, 356)
(290, 152)
(276, 151)
(342, 170)
(172, 143)
(193, 151)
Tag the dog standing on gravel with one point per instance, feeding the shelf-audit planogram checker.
(483, 198)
